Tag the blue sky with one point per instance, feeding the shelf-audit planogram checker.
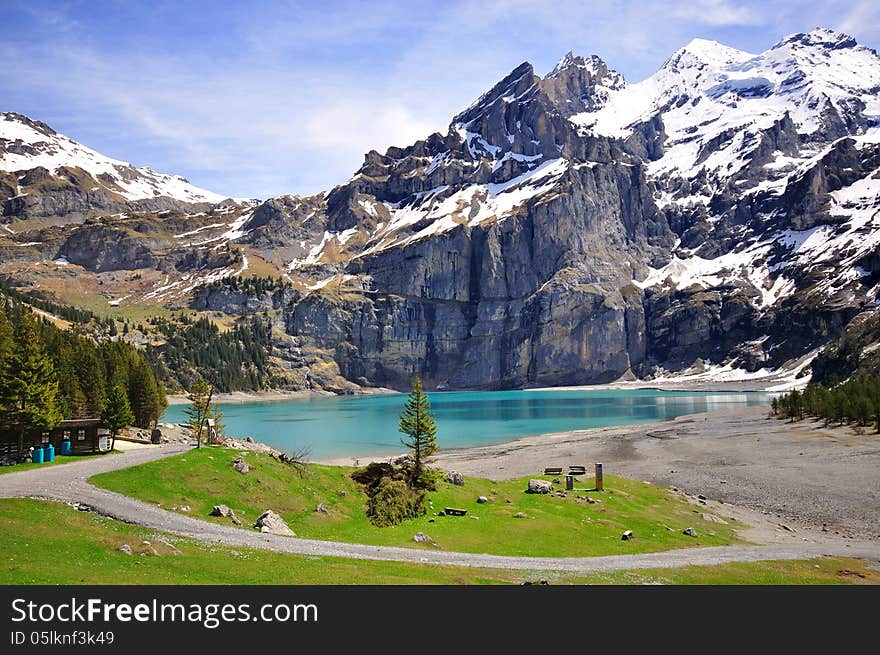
(263, 98)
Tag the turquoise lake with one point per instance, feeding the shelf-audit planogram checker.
(343, 426)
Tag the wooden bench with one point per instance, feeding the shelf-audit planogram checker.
(577, 470)
(553, 471)
(454, 511)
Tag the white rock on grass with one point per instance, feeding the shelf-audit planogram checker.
(540, 487)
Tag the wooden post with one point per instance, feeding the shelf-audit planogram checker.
(569, 482)
(600, 484)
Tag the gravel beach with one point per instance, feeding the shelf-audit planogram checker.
(803, 476)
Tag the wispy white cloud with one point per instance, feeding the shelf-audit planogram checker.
(288, 97)
(719, 13)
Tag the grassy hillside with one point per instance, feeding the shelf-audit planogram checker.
(553, 526)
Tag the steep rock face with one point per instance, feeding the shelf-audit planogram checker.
(104, 248)
(539, 298)
(562, 233)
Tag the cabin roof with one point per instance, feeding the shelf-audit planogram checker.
(79, 423)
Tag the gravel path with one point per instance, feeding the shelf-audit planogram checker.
(68, 483)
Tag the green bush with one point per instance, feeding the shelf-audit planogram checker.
(373, 473)
(392, 502)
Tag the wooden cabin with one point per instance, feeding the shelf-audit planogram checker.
(86, 437)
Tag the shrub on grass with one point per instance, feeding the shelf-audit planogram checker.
(392, 502)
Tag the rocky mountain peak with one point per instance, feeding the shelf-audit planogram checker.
(513, 87)
(35, 125)
(704, 53)
(820, 37)
(578, 84)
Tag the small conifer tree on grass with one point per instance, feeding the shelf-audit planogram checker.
(417, 422)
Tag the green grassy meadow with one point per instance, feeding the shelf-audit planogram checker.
(553, 526)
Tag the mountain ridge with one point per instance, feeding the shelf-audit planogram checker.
(727, 220)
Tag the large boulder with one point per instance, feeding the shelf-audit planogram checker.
(540, 487)
(240, 465)
(269, 522)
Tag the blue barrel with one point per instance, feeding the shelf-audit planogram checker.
(65, 447)
(37, 457)
(49, 455)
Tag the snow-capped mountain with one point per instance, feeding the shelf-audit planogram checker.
(27, 145)
(719, 218)
(722, 213)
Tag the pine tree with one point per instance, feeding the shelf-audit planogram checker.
(6, 333)
(28, 385)
(418, 424)
(143, 395)
(116, 413)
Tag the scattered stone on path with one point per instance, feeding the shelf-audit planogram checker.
(540, 487)
(626, 536)
(322, 509)
(475, 518)
(456, 478)
(713, 519)
(557, 481)
(422, 538)
(592, 501)
(508, 500)
(441, 513)
(689, 532)
(482, 499)
(186, 508)
(520, 515)
(431, 520)
(125, 548)
(240, 465)
(269, 522)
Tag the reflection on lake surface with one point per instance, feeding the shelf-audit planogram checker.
(367, 425)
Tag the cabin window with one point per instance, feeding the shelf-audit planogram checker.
(45, 437)
(80, 435)
(65, 435)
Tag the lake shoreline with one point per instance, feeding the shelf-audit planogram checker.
(684, 386)
(243, 397)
